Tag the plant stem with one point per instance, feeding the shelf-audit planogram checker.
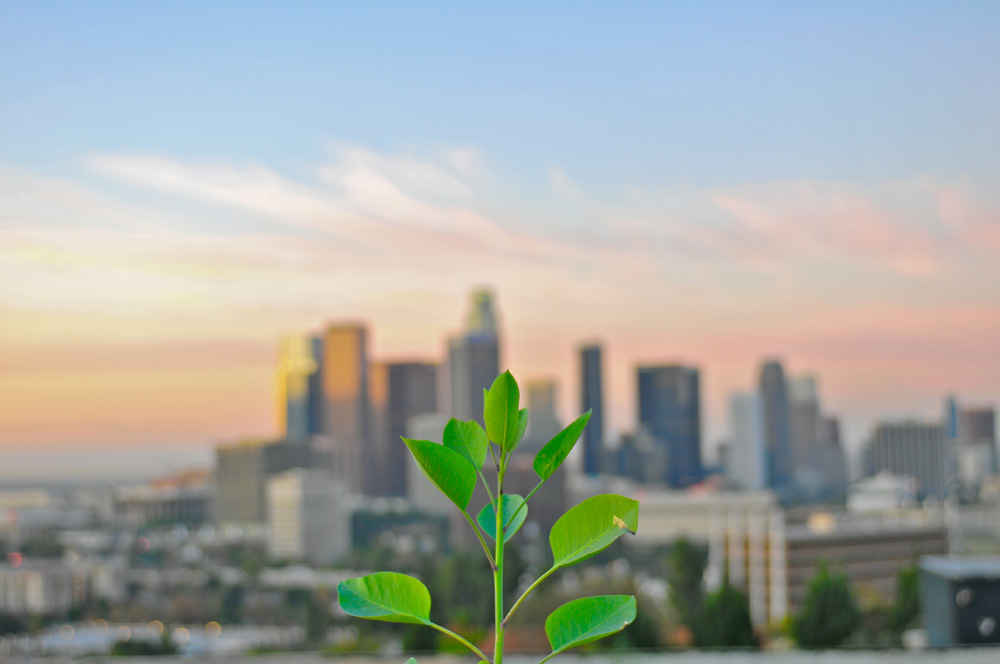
(527, 592)
(460, 639)
(498, 575)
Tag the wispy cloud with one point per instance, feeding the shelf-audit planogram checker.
(713, 275)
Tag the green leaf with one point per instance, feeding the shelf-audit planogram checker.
(550, 457)
(512, 512)
(387, 596)
(501, 411)
(468, 439)
(591, 526)
(447, 469)
(411, 660)
(588, 619)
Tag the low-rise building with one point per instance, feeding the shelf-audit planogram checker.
(43, 588)
(138, 506)
(308, 516)
(241, 474)
(772, 554)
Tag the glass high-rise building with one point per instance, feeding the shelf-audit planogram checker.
(346, 409)
(592, 399)
(296, 370)
(803, 418)
(399, 392)
(670, 410)
(777, 427)
(474, 358)
(315, 387)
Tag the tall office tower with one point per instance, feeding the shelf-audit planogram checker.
(803, 418)
(309, 517)
(592, 399)
(296, 367)
(346, 412)
(828, 460)
(908, 449)
(399, 392)
(777, 436)
(543, 423)
(315, 387)
(828, 431)
(474, 358)
(670, 410)
(746, 461)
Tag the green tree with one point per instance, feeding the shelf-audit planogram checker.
(906, 609)
(685, 570)
(724, 620)
(829, 615)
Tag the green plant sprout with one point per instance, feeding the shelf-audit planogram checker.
(583, 531)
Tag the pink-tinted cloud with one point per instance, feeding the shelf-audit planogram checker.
(886, 290)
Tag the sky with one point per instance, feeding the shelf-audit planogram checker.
(709, 183)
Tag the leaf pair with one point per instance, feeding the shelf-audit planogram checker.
(399, 598)
(506, 424)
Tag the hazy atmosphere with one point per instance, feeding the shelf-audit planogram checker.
(302, 303)
(711, 183)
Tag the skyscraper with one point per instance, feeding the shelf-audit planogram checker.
(296, 368)
(474, 358)
(777, 436)
(670, 410)
(746, 462)
(543, 423)
(315, 387)
(803, 418)
(827, 461)
(592, 399)
(399, 391)
(346, 410)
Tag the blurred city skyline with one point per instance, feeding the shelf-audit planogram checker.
(181, 185)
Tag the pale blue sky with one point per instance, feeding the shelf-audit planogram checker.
(620, 94)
